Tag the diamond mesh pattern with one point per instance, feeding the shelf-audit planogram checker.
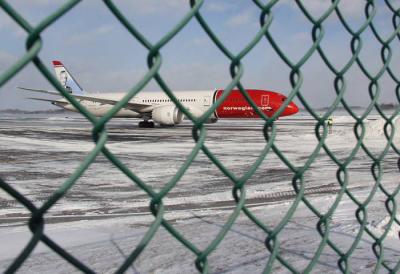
(199, 133)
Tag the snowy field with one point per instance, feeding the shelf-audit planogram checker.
(103, 217)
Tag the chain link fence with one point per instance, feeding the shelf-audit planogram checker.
(199, 133)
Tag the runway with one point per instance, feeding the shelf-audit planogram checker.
(42, 152)
(39, 152)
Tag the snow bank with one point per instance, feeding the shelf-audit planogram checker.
(380, 227)
(374, 128)
(345, 119)
(24, 143)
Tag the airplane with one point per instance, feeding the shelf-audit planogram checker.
(157, 107)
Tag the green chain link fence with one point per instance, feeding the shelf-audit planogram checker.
(199, 132)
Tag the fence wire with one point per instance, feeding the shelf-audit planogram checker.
(99, 133)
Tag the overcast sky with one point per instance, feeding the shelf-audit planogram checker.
(104, 57)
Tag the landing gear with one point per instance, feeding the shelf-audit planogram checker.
(146, 124)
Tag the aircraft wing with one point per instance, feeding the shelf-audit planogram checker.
(138, 107)
(49, 100)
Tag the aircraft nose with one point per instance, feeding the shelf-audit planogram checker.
(291, 109)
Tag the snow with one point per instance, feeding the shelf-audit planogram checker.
(380, 227)
(104, 216)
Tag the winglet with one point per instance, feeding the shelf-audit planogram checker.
(57, 63)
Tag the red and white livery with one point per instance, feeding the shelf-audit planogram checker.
(156, 107)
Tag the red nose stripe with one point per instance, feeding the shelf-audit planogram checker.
(236, 106)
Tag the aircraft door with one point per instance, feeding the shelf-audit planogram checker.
(207, 101)
(264, 100)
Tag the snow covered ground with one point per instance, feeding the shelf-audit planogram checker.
(104, 216)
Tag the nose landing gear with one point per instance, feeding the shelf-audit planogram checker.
(146, 124)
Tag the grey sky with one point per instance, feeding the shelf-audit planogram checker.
(103, 56)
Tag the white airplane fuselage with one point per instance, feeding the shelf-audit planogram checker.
(197, 102)
(160, 109)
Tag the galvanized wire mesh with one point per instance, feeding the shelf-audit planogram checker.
(199, 133)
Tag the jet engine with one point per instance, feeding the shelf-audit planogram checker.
(167, 115)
